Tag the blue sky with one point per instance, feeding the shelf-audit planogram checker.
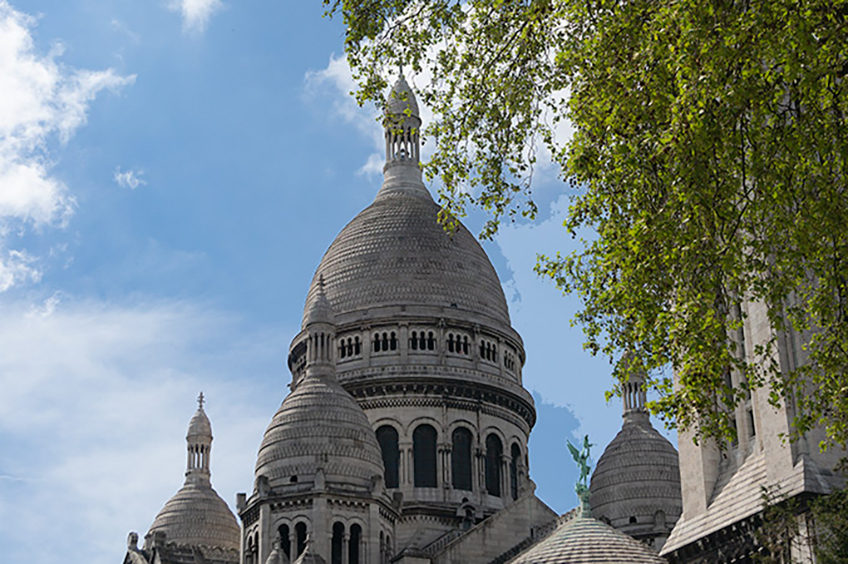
(171, 173)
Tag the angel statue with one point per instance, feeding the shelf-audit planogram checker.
(581, 457)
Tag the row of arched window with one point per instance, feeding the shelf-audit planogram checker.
(293, 543)
(350, 347)
(488, 351)
(424, 459)
(456, 343)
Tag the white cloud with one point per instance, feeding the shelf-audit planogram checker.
(42, 101)
(129, 178)
(96, 399)
(196, 13)
(373, 167)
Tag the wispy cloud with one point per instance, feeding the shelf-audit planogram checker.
(43, 102)
(196, 13)
(96, 399)
(131, 179)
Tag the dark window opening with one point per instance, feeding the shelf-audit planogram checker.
(285, 541)
(513, 470)
(393, 342)
(752, 429)
(300, 533)
(494, 453)
(336, 544)
(431, 341)
(353, 544)
(422, 341)
(450, 342)
(388, 439)
(461, 458)
(424, 456)
(413, 341)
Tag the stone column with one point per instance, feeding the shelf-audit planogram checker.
(403, 336)
(345, 547)
(405, 470)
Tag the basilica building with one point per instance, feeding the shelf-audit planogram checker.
(404, 436)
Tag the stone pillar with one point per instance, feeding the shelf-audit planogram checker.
(266, 541)
(405, 470)
(345, 547)
(403, 336)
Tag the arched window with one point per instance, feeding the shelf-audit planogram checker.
(388, 439)
(450, 342)
(336, 543)
(393, 341)
(353, 544)
(513, 470)
(494, 452)
(431, 341)
(250, 551)
(413, 341)
(300, 532)
(461, 458)
(285, 541)
(424, 456)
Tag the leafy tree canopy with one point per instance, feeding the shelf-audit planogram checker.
(708, 156)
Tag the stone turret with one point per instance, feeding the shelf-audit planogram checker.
(636, 484)
(319, 472)
(195, 525)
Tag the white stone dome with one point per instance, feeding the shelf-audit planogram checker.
(197, 516)
(199, 425)
(319, 426)
(395, 254)
(637, 475)
(401, 98)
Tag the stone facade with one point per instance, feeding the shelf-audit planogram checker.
(722, 491)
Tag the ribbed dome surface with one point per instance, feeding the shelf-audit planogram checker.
(196, 515)
(401, 99)
(586, 540)
(396, 253)
(637, 475)
(199, 425)
(319, 425)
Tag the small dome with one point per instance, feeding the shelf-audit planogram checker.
(401, 99)
(636, 478)
(395, 253)
(319, 426)
(578, 539)
(196, 515)
(199, 425)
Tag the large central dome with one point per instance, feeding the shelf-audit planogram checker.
(396, 253)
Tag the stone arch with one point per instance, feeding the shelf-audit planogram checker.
(462, 442)
(514, 463)
(354, 546)
(301, 530)
(337, 542)
(387, 437)
(494, 455)
(424, 455)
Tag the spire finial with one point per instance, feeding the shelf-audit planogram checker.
(200, 400)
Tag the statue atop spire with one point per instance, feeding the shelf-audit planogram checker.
(581, 457)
